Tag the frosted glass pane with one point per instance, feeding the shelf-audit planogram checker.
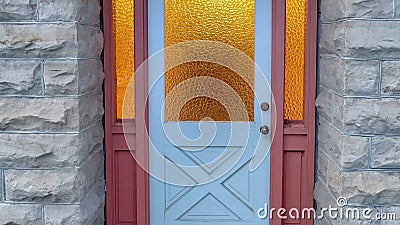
(123, 24)
(296, 20)
(227, 21)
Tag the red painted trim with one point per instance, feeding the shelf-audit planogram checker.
(109, 111)
(295, 130)
(278, 65)
(141, 54)
(311, 71)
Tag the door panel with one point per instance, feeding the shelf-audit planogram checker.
(125, 180)
(208, 169)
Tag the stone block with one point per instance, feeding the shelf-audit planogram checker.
(18, 10)
(61, 77)
(49, 150)
(91, 108)
(332, 73)
(91, 172)
(50, 41)
(20, 77)
(382, 9)
(332, 39)
(349, 77)
(55, 186)
(20, 214)
(72, 77)
(90, 41)
(94, 139)
(62, 214)
(396, 9)
(1, 185)
(338, 111)
(355, 152)
(39, 114)
(341, 9)
(93, 204)
(332, 10)
(372, 40)
(379, 39)
(324, 104)
(390, 77)
(361, 77)
(82, 11)
(385, 152)
(322, 167)
(38, 40)
(334, 178)
(360, 188)
(322, 196)
(348, 152)
(371, 187)
(89, 212)
(330, 142)
(51, 114)
(372, 116)
(41, 150)
(65, 185)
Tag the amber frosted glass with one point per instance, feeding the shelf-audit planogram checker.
(123, 25)
(227, 21)
(296, 20)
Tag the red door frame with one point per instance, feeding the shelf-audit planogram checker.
(299, 139)
(293, 140)
(128, 137)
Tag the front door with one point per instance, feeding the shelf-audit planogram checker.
(209, 111)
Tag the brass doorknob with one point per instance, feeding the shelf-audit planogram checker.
(264, 130)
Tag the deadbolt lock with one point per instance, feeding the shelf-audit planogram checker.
(264, 130)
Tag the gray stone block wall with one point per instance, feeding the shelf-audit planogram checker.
(358, 105)
(51, 108)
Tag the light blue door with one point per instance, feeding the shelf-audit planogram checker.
(209, 139)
